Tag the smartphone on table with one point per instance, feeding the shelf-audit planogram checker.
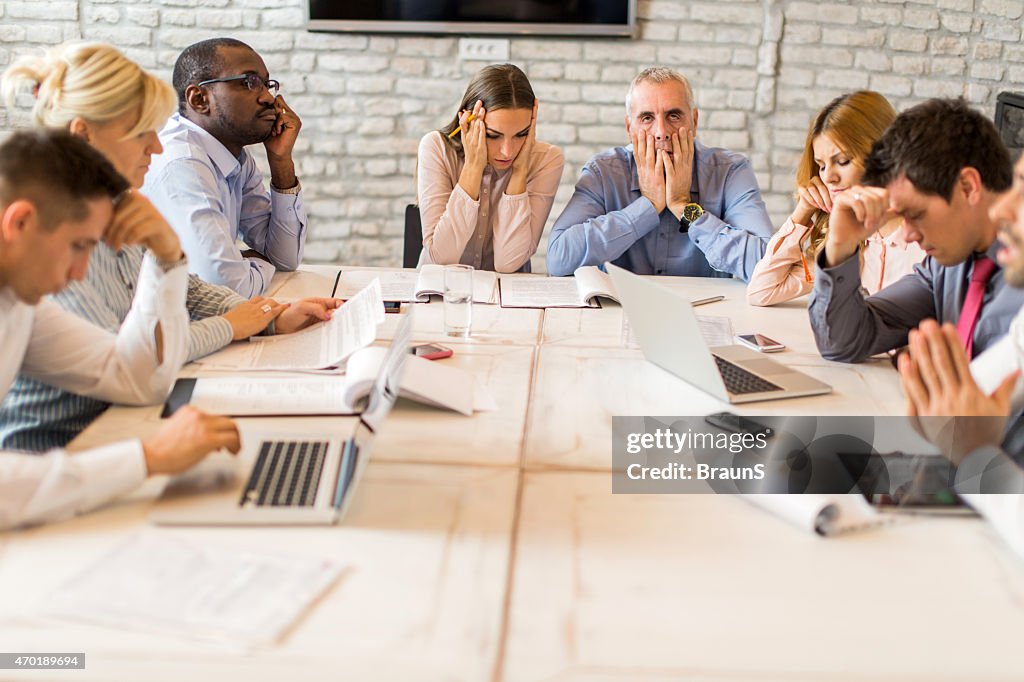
(431, 351)
(738, 424)
(760, 343)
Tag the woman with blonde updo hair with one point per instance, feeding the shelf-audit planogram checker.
(838, 140)
(98, 94)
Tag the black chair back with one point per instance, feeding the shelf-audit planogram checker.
(413, 243)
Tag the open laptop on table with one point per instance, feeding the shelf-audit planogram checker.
(670, 337)
(293, 479)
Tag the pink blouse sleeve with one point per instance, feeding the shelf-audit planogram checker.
(780, 275)
(449, 216)
(521, 217)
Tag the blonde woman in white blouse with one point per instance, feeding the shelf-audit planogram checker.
(484, 184)
(838, 141)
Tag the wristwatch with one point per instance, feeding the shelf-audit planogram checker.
(691, 212)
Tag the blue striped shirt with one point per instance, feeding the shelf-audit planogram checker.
(38, 417)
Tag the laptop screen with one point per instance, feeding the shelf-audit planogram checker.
(389, 378)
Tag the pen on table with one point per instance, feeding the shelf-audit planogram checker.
(458, 128)
(709, 299)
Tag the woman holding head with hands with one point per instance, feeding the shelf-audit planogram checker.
(96, 93)
(485, 184)
(838, 140)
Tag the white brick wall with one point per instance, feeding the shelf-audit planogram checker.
(760, 70)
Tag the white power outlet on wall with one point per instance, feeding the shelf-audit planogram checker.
(486, 49)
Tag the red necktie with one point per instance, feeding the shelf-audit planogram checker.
(980, 275)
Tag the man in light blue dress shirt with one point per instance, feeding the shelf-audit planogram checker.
(206, 183)
(665, 204)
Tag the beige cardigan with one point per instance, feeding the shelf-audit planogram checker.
(496, 232)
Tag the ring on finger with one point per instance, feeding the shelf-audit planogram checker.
(266, 308)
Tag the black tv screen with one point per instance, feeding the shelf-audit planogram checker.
(511, 17)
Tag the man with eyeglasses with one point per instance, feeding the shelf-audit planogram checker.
(206, 182)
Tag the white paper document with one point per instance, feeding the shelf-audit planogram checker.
(351, 327)
(159, 583)
(416, 287)
(716, 330)
(431, 382)
(822, 514)
(579, 291)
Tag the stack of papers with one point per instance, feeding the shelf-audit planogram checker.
(158, 583)
(351, 327)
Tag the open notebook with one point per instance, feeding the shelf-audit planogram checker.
(579, 291)
(414, 287)
(425, 381)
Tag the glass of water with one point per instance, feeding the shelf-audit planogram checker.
(458, 300)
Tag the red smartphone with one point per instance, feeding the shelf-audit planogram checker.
(431, 351)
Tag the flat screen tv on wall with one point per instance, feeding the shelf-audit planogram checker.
(502, 17)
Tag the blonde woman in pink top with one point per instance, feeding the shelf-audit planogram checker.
(484, 184)
(838, 140)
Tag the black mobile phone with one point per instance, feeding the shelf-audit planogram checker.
(738, 424)
(392, 306)
(903, 481)
(431, 351)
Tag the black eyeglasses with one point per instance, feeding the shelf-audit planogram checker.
(252, 81)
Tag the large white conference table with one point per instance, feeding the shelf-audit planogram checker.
(492, 548)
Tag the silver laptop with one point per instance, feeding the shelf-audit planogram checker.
(670, 337)
(288, 478)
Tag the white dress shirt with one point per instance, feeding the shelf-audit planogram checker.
(212, 199)
(47, 343)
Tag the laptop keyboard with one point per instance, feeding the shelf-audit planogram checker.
(740, 381)
(286, 474)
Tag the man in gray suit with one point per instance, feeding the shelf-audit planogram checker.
(940, 167)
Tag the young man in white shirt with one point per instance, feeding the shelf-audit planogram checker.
(57, 200)
(963, 406)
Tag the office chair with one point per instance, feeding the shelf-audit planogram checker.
(413, 242)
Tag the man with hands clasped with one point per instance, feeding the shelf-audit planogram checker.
(939, 167)
(207, 183)
(963, 406)
(665, 205)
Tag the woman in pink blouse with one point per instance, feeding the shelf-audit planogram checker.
(484, 184)
(838, 141)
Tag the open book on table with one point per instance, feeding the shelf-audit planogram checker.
(425, 381)
(581, 290)
(417, 286)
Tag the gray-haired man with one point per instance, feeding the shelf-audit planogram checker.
(665, 204)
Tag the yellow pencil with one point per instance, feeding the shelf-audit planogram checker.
(458, 129)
